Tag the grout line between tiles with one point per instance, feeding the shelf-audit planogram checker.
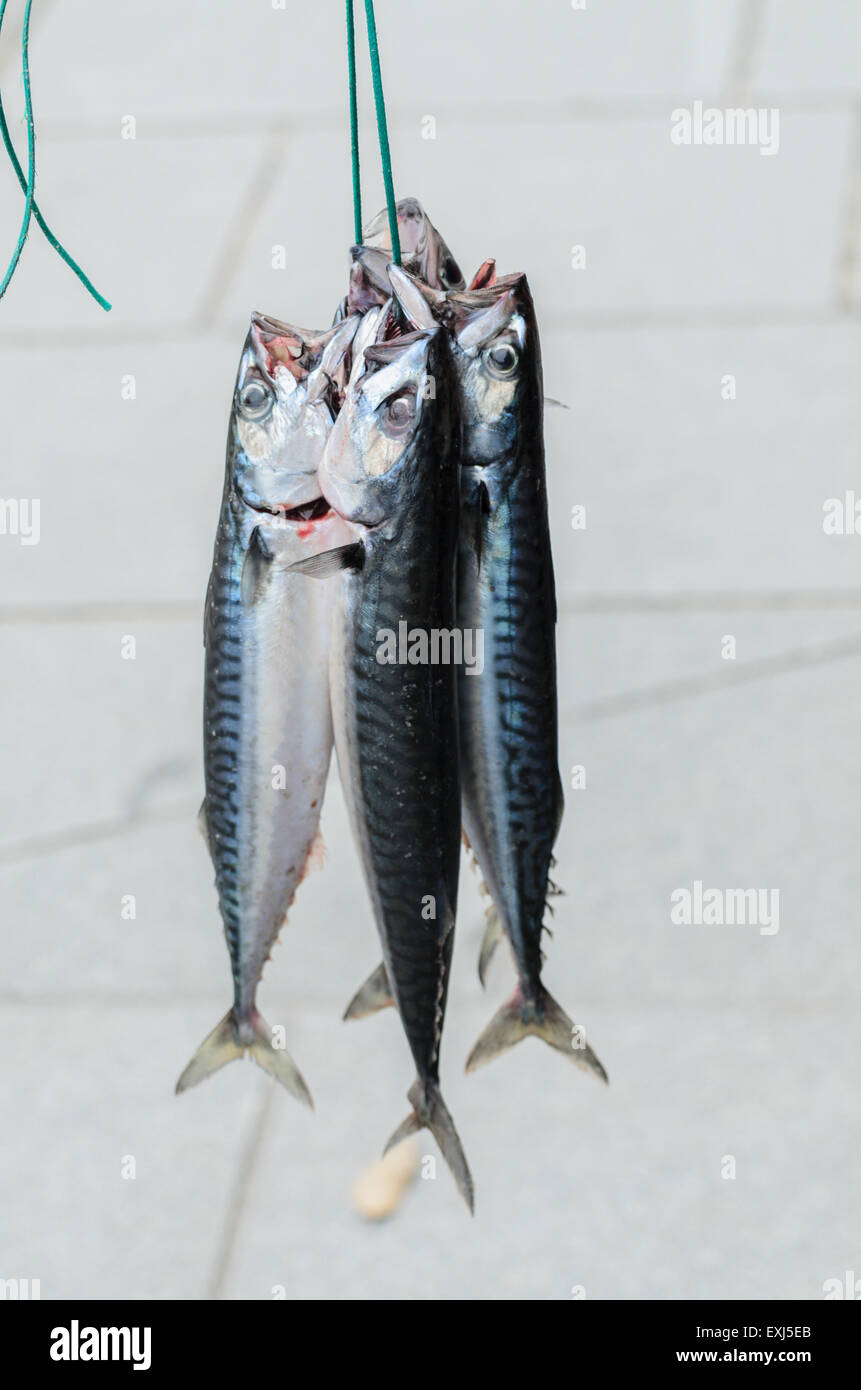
(162, 610)
(238, 1200)
(755, 601)
(709, 317)
(37, 846)
(628, 702)
(848, 264)
(240, 232)
(717, 601)
(590, 712)
(223, 125)
(10, 59)
(743, 51)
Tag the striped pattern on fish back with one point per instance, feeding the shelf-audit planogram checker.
(512, 727)
(222, 722)
(404, 723)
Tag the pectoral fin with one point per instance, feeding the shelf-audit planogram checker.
(329, 562)
(255, 568)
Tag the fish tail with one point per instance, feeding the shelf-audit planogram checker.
(430, 1112)
(373, 995)
(541, 1018)
(231, 1039)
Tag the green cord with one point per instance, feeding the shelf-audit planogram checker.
(382, 131)
(31, 150)
(354, 125)
(28, 184)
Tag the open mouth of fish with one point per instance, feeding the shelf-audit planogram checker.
(307, 511)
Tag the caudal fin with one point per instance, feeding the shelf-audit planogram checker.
(429, 1112)
(373, 995)
(226, 1042)
(543, 1019)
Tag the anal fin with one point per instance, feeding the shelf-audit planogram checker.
(492, 938)
(373, 995)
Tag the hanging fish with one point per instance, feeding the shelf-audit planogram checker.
(390, 468)
(267, 720)
(512, 792)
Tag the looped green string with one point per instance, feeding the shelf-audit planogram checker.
(382, 129)
(354, 125)
(28, 184)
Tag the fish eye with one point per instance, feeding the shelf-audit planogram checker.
(501, 360)
(255, 400)
(397, 414)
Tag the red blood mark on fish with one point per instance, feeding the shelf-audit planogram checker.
(316, 855)
(277, 349)
(307, 514)
(283, 352)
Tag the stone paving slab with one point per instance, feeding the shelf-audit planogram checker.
(802, 49)
(204, 59)
(687, 491)
(751, 787)
(119, 741)
(664, 227)
(618, 1191)
(614, 663)
(92, 1087)
(129, 489)
(98, 738)
(149, 221)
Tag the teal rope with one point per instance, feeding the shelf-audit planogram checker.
(354, 125)
(385, 154)
(28, 184)
(31, 149)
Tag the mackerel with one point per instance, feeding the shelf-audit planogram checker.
(512, 792)
(267, 719)
(391, 469)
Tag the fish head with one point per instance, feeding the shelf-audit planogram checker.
(424, 250)
(287, 392)
(369, 286)
(369, 277)
(496, 357)
(373, 459)
(498, 364)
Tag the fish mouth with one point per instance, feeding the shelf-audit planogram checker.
(307, 511)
